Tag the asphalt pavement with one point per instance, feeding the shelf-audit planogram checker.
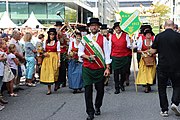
(34, 104)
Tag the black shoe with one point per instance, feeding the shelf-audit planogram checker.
(117, 91)
(97, 111)
(90, 117)
(3, 101)
(122, 88)
(56, 88)
(48, 93)
(75, 91)
(127, 83)
(63, 85)
(19, 88)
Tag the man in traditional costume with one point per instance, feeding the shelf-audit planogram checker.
(96, 59)
(121, 56)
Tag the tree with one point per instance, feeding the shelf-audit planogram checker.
(159, 8)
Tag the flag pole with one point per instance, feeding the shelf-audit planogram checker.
(134, 67)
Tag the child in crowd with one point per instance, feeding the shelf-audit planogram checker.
(2, 59)
(39, 57)
(13, 64)
(30, 51)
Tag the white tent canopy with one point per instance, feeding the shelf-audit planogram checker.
(32, 22)
(6, 22)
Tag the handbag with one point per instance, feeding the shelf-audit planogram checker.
(8, 74)
(149, 60)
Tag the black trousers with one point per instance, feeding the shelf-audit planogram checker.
(163, 77)
(89, 97)
(62, 74)
(119, 82)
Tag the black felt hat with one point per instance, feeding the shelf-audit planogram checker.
(116, 24)
(52, 30)
(58, 23)
(148, 30)
(94, 20)
(104, 26)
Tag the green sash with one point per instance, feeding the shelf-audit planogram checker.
(96, 49)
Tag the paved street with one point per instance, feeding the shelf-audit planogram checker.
(33, 104)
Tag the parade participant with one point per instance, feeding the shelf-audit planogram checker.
(51, 62)
(58, 25)
(166, 44)
(104, 30)
(107, 35)
(83, 30)
(146, 74)
(30, 51)
(62, 69)
(96, 59)
(142, 37)
(121, 56)
(75, 66)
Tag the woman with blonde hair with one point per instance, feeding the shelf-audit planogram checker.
(30, 51)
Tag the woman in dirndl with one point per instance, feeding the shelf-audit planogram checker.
(51, 61)
(75, 66)
(146, 74)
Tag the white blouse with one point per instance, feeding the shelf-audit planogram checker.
(70, 48)
(58, 46)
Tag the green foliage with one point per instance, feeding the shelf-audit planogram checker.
(70, 15)
(160, 8)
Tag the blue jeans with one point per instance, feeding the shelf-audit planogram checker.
(30, 63)
(163, 77)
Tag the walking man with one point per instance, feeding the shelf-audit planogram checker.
(167, 45)
(96, 59)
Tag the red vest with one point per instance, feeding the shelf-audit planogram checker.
(119, 46)
(75, 56)
(93, 65)
(51, 48)
(64, 49)
(144, 47)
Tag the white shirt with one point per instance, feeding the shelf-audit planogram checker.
(18, 46)
(140, 42)
(129, 45)
(11, 62)
(34, 40)
(2, 65)
(105, 49)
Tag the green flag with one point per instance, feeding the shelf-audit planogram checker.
(130, 22)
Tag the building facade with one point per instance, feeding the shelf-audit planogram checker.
(45, 11)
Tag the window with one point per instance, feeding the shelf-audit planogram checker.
(39, 9)
(18, 10)
(52, 9)
(2, 8)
